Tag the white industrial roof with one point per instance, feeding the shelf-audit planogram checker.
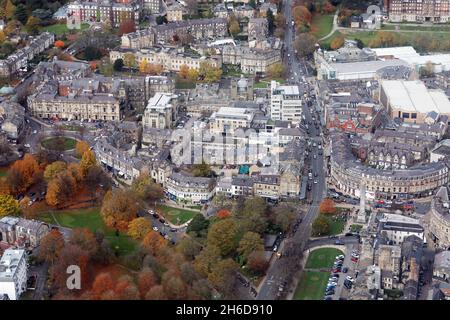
(160, 100)
(365, 66)
(410, 55)
(413, 96)
(289, 89)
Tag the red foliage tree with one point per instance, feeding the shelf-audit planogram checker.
(59, 44)
(127, 26)
(327, 206)
(223, 213)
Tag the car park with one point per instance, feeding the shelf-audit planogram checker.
(349, 279)
(345, 270)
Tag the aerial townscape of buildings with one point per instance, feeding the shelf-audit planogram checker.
(153, 135)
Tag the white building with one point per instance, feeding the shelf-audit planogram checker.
(285, 103)
(160, 111)
(183, 188)
(228, 119)
(397, 227)
(13, 273)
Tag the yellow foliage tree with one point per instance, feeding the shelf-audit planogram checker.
(10, 9)
(88, 160)
(138, 228)
(81, 147)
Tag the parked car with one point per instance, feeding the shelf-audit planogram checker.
(155, 229)
(345, 270)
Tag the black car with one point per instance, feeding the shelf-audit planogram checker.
(173, 230)
(32, 194)
(156, 216)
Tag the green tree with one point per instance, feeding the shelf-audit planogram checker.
(118, 65)
(32, 25)
(198, 225)
(8, 206)
(53, 169)
(276, 70)
(223, 235)
(223, 275)
(129, 60)
(321, 226)
(21, 13)
(207, 258)
(270, 21)
(253, 216)
(189, 247)
(250, 242)
(201, 170)
(234, 27)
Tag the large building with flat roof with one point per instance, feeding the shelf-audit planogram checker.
(13, 273)
(412, 101)
(285, 103)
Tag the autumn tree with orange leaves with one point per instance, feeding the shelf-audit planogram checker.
(327, 206)
(59, 44)
(23, 173)
(119, 209)
(51, 246)
(223, 213)
(153, 243)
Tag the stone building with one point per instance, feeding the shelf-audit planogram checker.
(258, 29)
(439, 226)
(435, 11)
(175, 12)
(161, 111)
(22, 232)
(250, 60)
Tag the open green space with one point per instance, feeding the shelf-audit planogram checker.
(311, 286)
(401, 38)
(59, 143)
(322, 258)
(337, 225)
(321, 25)
(445, 27)
(355, 228)
(61, 28)
(175, 215)
(91, 219)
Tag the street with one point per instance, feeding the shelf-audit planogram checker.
(283, 269)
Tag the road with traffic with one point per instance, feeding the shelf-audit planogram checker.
(281, 272)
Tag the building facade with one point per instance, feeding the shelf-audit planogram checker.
(285, 103)
(161, 111)
(183, 188)
(435, 11)
(13, 273)
(439, 227)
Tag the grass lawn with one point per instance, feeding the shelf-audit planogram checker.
(91, 219)
(322, 258)
(336, 226)
(61, 28)
(355, 227)
(176, 215)
(261, 85)
(321, 25)
(445, 28)
(311, 286)
(59, 143)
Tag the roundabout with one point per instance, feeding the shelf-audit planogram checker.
(59, 143)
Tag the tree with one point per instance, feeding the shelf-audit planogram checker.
(174, 287)
(2, 37)
(202, 289)
(85, 239)
(156, 293)
(126, 290)
(207, 258)
(234, 27)
(223, 275)
(198, 224)
(118, 65)
(32, 25)
(129, 60)
(118, 209)
(192, 75)
(153, 242)
(305, 44)
(59, 44)
(223, 235)
(337, 43)
(28, 169)
(270, 21)
(61, 189)
(209, 73)
(201, 170)
(327, 206)
(54, 169)
(8, 206)
(184, 72)
(257, 262)
(103, 283)
(146, 189)
(10, 9)
(427, 70)
(250, 242)
(223, 213)
(127, 26)
(51, 246)
(88, 160)
(21, 13)
(276, 70)
(146, 280)
(321, 226)
(189, 247)
(253, 216)
(92, 53)
(301, 15)
(138, 228)
(81, 147)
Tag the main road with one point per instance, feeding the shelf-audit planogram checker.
(281, 272)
